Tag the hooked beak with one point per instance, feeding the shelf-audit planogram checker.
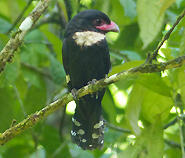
(113, 27)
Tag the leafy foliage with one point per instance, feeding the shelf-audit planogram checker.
(142, 104)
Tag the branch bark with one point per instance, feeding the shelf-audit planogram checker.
(43, 113)
(17, 38)
(153, 56)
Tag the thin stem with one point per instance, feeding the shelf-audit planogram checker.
(179, 124)
(120, 129)
(20, 101)
(167, 35)
(19, 17)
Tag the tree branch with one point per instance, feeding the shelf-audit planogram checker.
(167, 35)
(117, 128)
(17, 38)
(37, 70)
(20, 16)
(38, 116)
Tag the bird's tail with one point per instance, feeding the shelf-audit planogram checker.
(87, 123)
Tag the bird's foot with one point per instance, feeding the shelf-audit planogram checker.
(74, 94)
(92, 83)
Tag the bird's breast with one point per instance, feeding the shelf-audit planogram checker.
(88, 38)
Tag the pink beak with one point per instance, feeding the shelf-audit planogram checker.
(111, 27)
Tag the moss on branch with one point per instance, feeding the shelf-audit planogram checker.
(43, 113)
(16, 40)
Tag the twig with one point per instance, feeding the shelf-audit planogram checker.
(170, 123)
(167, 35)
(17, 38)
(68, 8)
(38, 116)
(19, 17)
(128, 131)
(172, 143)
(39, 71)
(52, 18)
(20, 101)
(174, 121)
(56, 17)
(120, 129)
(180, 132)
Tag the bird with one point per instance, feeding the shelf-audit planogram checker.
(86, 58)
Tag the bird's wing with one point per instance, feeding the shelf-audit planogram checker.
(107, 60)
(65, 62)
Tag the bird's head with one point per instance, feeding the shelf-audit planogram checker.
(91, 20)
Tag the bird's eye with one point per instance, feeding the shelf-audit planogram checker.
(98, 21)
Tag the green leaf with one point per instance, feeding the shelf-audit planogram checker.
(182, 45)
(131, 55)
(57, 44)
(129, 8)
(178, 3)
(40, 152)
(5, 10)
(126, 66)
(35, 50)
(155, 141)
(32, 76)
(50, 140)
(117, 56)
(167, 53)
(155, 83)
(109, 107)
(20, 146)
(134, 103)
(172, 153)
(77, 152)
(4, 39)
(165, 5)
(111, 136)
(7, 105)
(132, 151)
(127, 38)
(116, 10)
(181, 82)
(35, 99)
(11, 72)
(21, 86)
(56, 70)
(13, 8)
(152, 138)
(155, 104)
(149, 24)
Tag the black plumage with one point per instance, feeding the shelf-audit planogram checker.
(86, 57)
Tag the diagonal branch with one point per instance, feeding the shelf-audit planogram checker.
(20, 16)
(17, 38)
(38, 116)
(166, 36)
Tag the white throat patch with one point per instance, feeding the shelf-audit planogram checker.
(88, 38)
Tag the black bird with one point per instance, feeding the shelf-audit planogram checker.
(86, 57)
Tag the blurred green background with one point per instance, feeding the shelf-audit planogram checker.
(144, 109)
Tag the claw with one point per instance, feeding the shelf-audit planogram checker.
(92, 83)
(96, 94)
(74, 94)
